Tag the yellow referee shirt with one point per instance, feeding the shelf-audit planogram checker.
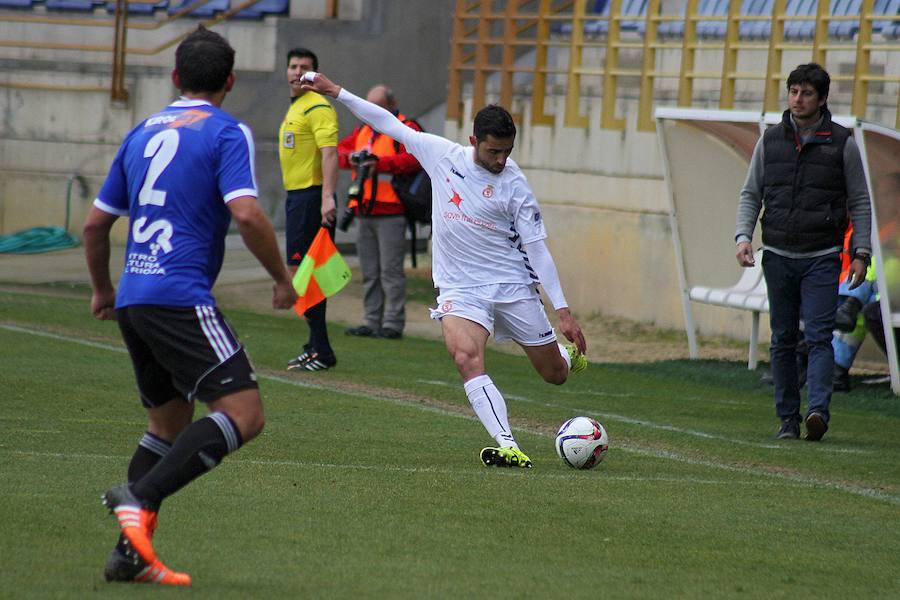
(310, 123)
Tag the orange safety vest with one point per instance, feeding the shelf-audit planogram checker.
(846, 259)
(379, 145)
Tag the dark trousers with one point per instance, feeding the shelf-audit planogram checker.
(804, 288)
(303, 218)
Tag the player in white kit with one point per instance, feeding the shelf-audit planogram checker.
(488, 258)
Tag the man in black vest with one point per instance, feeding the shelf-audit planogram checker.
(807, 177)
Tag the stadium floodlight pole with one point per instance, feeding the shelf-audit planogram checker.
(118, 93)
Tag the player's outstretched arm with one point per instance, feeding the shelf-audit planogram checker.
(376, 117)
(96, 250)
(259, 237)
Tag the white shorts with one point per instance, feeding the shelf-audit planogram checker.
(518, 316)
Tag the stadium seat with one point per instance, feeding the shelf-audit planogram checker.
(600, 27)
(73, 5)
(636, 7)
(207, 10)
(16, 3)
(844, 30)
(263, 8)
(752, 30)
(600, 7)
(135, 8)
(889, 8)
(800, 30)
(714, 29)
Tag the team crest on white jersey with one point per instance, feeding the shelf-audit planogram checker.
(447, 306)
(488, 191)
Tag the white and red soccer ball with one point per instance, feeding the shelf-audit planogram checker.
(582, 442)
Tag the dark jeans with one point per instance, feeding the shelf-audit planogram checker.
(807, 288)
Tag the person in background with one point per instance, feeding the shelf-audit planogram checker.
(309, 165)
(806, 175)
(381, 234)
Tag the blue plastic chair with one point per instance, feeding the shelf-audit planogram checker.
(888, 8)
(16, 3)
(133, 8)
(73, 5)
(674, 29)
(263, 8)
(763, 29)
(844, 29)
(207, 10)
(635, 7)
(800, 30)
(596, 28)
(714, 29)
(600, 7)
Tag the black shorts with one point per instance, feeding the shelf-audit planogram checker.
(303, 218)
(190, 353)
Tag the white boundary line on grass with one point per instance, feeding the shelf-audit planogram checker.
(414, 470)
(865, 492)
(652, 425)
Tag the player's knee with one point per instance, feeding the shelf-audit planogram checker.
(252, 424)
(556, 376)
(466, 361)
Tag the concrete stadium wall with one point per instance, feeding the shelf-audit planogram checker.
(602, 192)
(47, 136)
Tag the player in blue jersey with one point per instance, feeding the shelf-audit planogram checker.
(180, 177)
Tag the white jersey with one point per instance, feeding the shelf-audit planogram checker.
(480, 220)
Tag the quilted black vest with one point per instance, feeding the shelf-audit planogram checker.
(804, 191)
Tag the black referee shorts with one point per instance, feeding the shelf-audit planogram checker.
(184, 352)
(303, 218)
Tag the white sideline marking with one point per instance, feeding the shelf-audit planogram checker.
(651, 425)
(435, 470)
(660, 454)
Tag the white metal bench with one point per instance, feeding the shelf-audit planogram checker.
(749, 293)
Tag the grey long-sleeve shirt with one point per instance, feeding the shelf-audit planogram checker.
(750, 203)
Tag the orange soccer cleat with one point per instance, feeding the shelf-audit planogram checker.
(136, 522)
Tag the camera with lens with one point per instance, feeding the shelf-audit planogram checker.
(355, 191)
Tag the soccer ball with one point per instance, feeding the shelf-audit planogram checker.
(582, 442)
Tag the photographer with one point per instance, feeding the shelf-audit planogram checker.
(381, 240)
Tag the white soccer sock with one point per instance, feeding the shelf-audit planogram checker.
(489, 405)
(565, 355)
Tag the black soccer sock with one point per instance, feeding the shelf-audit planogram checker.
(318, 329)
(150, 450)
(199, 448)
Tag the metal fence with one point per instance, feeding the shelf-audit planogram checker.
(512, 39)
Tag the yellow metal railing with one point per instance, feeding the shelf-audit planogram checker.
(479, 52)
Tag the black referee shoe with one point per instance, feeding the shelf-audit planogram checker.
(314, 362)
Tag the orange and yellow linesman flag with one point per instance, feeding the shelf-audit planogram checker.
(323, 273)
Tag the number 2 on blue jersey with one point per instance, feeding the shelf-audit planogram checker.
(162, 147)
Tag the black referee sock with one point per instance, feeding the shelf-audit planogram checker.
(150, 451)
(318, 329)
(199, 448)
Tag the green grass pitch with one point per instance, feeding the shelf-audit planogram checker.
(366, 482)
